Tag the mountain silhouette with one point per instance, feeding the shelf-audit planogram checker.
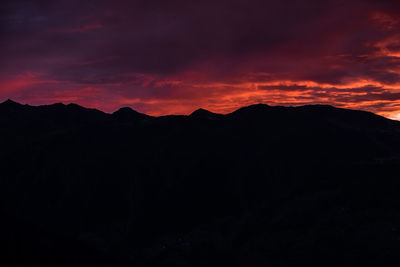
(129, 115)
(205, 114)
(261, 186)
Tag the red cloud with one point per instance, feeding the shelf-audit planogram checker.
(220, 55)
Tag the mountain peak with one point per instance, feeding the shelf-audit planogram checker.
(125, 109)
(127, 113)
(252, 109)
(203, 113)
(10, 106)
(9, 102)
(256, 107)
(75, 106)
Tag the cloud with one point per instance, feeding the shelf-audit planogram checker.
(174, 56)
(83, 28)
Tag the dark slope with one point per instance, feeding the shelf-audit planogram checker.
(262, 186)
(204, 114)
(127, 114)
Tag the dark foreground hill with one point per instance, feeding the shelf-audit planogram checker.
(262, 186)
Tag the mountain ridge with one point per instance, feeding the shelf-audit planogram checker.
(261, 186)
(204, 113)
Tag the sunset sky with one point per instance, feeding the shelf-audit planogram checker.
(172, 57)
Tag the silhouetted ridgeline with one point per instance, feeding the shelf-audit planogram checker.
(262, 186)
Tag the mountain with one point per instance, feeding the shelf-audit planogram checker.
(261, 186)
(129, 115)
(204, 114)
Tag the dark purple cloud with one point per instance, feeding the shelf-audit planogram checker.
(174, 56)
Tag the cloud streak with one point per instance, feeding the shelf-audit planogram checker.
(164, 57)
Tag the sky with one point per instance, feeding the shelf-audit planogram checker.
(171, 57)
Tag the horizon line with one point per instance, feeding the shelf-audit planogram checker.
(216, 113)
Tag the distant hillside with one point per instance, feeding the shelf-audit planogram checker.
(261, 186)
